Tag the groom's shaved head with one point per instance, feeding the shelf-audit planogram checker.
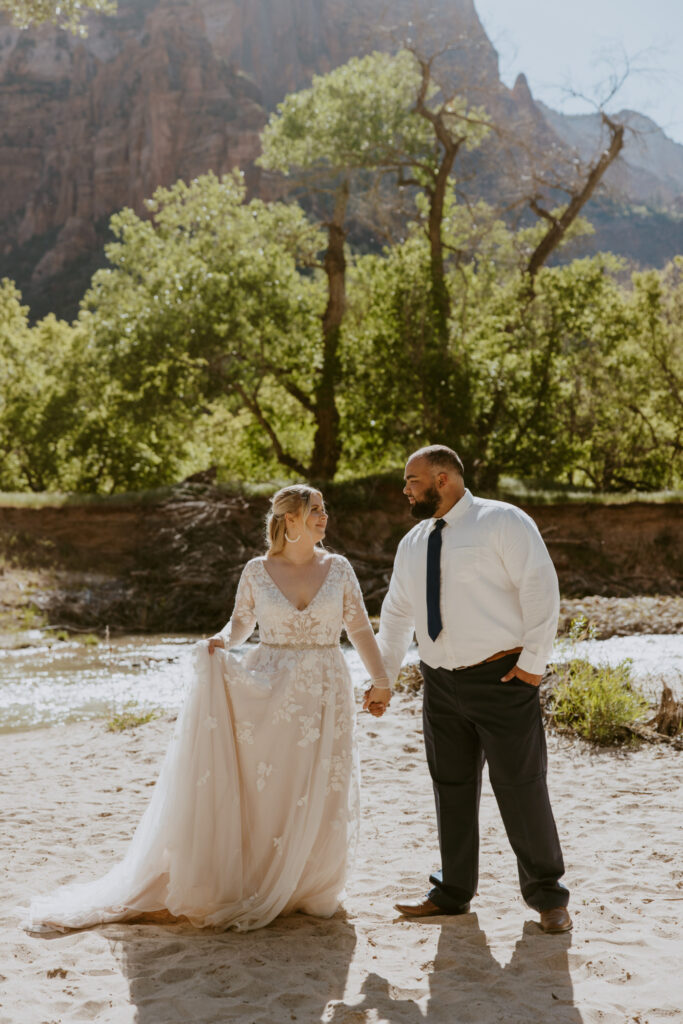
(440, 458)
(434, 481)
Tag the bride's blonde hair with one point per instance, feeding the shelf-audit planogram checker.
(294, 499)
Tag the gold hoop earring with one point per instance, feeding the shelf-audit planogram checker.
(291, 541)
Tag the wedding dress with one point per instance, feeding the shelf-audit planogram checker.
(255, 811)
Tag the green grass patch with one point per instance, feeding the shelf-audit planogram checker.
(597, 702)
(30, 499)
(546, 493)
(346, 492)
(31, 617)
(130, 717)
(64, 635)
(59, 499)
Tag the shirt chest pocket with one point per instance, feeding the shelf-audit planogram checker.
(465, 564)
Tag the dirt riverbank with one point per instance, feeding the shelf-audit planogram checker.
(173, 564)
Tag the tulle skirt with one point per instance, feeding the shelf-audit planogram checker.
(255, 810)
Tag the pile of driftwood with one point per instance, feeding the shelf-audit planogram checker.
(191, 557)
(190, 551)
(667, 724)
(624, 616)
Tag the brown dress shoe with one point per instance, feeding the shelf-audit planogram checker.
(555, 920)
(425, 908)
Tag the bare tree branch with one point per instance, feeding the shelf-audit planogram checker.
(256, 411)
(558, 228)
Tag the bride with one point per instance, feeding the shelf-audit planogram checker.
(255, 810)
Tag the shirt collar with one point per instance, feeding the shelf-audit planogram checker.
(459, 509)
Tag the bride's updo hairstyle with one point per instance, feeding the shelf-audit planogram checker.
(293, 499)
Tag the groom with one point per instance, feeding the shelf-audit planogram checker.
(475, 582)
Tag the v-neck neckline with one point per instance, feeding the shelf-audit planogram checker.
(290, 602)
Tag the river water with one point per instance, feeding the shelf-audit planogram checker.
(46, 684)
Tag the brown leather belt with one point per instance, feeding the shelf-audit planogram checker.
(494, 657)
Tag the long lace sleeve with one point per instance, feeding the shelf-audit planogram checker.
(359, 630)
(243, 618)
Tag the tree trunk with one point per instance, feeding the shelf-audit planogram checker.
(445, 391)
(485, 477)
(437, 196)
(327, 444)
(445, 383)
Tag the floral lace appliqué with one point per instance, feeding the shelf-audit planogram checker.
(263, 771)
(309, 729)
(244, 731)
(286, 711)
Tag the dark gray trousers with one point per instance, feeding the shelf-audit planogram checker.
(470, 717)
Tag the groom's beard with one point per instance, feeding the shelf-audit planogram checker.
(427, 506)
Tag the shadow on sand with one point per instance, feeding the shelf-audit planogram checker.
(297, 970)
(467, 983)
(290, 970)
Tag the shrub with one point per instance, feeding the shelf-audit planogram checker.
(596, 701)
(409, 680)
(581, 629)
(130, 717)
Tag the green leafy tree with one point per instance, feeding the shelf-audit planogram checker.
(581, 383)
(379, 115)
(452, 125)
(578, 318)
(65, 14)
(460, 382)
(408, 397)
(37, 395)
(586, 381)
(208, 300)
(636, 440)
(352, 122)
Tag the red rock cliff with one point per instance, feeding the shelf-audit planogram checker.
(167, 89)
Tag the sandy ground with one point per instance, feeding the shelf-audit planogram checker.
(70, 797)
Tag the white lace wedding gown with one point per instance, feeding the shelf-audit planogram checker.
(255, 810)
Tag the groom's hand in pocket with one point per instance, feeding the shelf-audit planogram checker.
(526, 677)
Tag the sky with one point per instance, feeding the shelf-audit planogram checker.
(575, 45)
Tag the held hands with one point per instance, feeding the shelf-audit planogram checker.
(526, 677)
(214, 642)
(377, 700)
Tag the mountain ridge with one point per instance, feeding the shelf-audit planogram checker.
(646, 146)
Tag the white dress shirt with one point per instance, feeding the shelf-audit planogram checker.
(498, 590)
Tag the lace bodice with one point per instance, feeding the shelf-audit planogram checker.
(338, 604)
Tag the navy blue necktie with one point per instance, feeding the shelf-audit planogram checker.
(434, 623)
